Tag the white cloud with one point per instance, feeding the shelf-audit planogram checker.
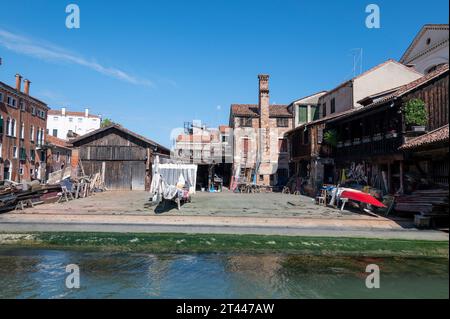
(50, 52)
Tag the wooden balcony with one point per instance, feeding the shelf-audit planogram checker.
(367, 146)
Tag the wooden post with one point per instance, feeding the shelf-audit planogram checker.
(401, 177)
(389, 182)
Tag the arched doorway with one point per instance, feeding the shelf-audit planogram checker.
(7, 169)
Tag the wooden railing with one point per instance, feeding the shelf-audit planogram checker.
(368, 146)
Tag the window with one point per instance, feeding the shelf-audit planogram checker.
(38, 133)
(245, 147)
(324, 109)
(33, 110)
(1, 125)
(14, 151)
(13, 128)
(71, 119)
(224, 138)
(22, 106)
(55, 133)
(23, 154)
(22, 130)
(246, 122)
(32, 155)
(261, 178)
(21, 170)
(282, 122)
(11, 101)
(333, 106)
(80, 120)
(58, 156)
(282, 145)
(42, 137)
(1, 150)
(302, 114)
(1, 97)
(32, 133)
(8, 127)
(55, 118)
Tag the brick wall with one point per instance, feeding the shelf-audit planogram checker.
(21, 166)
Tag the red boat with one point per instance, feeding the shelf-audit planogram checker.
(359, 196)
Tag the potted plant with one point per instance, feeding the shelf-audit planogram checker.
(415, 115)
(331, 137)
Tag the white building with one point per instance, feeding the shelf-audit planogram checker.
(63, 124)
(429, 48)
(383, 77)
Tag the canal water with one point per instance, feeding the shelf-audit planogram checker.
(33, 273)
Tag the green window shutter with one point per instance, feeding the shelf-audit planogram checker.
(302, 114)
(315, 112)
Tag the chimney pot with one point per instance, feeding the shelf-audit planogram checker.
(26, 89)
(18, 82)
(86, 112)
(63, 111)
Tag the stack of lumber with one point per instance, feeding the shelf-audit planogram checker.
(426, 202)
(12, 193)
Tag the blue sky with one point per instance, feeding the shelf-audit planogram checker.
(151, 65)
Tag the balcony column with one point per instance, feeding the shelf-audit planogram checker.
(401, 177)
(389, 178)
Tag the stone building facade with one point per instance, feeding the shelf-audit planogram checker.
(23, 121)
(260, 152)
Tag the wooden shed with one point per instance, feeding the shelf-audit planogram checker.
(122, 157)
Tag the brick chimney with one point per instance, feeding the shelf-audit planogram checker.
(26, 88)
(264, 112)
(18, 82)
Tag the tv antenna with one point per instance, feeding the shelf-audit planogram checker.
(357, 54)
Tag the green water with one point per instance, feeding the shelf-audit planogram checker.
(38, 273)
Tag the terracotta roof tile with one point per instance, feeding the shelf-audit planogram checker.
(251, 110)
(439, 135)
(56, 141)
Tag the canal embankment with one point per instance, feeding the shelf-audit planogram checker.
(225, 243)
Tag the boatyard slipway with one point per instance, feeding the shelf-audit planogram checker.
(226, 212)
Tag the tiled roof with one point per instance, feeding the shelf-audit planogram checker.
(437, 136)
(251, 110)
(70, 113)
(56, 141)
(223, 128)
